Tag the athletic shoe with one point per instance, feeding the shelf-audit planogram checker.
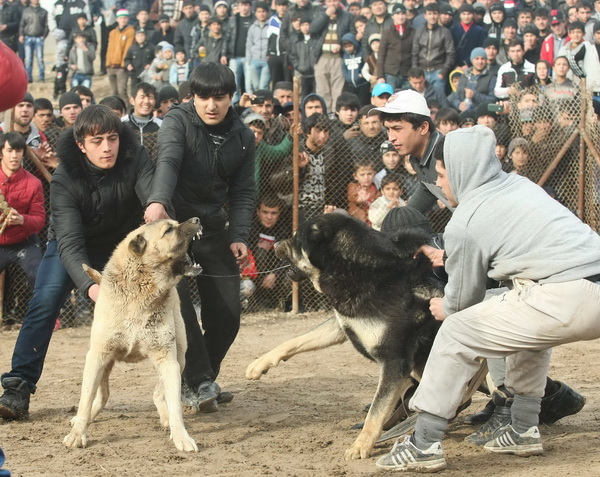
(407, 457)
(490, 430)
(511, 442)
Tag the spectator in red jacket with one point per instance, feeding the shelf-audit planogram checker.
(24, 216)
(557, 39)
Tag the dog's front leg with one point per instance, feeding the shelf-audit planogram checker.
(93, 371)
(170, 376)
(388, 393)
(326, 334)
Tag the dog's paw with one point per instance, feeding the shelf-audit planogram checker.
(75, 439)
(183, 441)
(260, 366)
(357, 452)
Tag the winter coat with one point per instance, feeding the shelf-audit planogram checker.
(302, 55)
(232, 35)
(257, 41)
(183, 34)
(484, 90)
(139, 56)
(288, 35)
(433, 49)
(9, 16)
(215, 49)
(119, 42)
(395, 52)
(34, 22)
(372, 28)
(196, 178)
(320, 26)
(465, 42)
(23, 192)
(352, 64)
(84, 60)
(94, 209)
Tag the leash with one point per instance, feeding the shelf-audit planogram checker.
(202, 274)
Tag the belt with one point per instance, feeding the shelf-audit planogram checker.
(593, 278)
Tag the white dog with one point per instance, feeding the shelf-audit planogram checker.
(138, 315)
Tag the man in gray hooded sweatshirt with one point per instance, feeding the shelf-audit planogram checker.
(506, 228)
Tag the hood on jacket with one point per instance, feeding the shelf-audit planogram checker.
(78, 166)
(310, 97)
(352, 39)
(470, 159)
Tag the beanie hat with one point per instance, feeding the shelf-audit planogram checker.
(498, 6)
(466, 7)
(531, 29)
(386, 146)
(166, 93)
(476, 52)
(122, 13)
(69, 98)
(399, 219)
(516, 142)
(28, 98)
(489, 41)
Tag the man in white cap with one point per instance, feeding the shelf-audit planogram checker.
(119, 41)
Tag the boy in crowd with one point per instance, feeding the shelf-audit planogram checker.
(180, 69)
(81, 61)
(352, 66)
(301, 57)
(141, 121)
(391, 190)
(362, 191)
(138, 57)
(446, 120)
(391, 163)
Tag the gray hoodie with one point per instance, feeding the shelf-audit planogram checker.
(505, 226)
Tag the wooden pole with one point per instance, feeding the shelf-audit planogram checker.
(296, 168)
(581, 192)
(558, 158)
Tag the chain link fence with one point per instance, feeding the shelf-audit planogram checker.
(542, 137)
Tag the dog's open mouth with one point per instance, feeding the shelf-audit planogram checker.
(191, 268)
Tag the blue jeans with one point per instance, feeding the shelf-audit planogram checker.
(34, 44)
(240, 69)
(433, 79)
(52, 287)
(260, 75)
(81, 79)
(397, 82)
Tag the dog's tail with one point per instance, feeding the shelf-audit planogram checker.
(93, 274)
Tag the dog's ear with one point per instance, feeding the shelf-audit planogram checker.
(320, 232)
(138, 244)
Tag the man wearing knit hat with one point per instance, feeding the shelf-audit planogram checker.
(477, 85)
(467, 35)
(119, 41)
(70, 106)
(22, 122)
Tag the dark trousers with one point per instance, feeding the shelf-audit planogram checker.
(277, 68)
(219, 295)
(26, 254)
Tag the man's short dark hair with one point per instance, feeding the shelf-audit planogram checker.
(263, 5)
(363, 162)
(42, 104)
(146, 88)
(114, 102)
(348, 101)
(271, 200)
(438, 151)
(584, 4)
(14, 140)
(94, 120)
(415, 120)
(576, 25)
(319, 121)
(265, 94)
(212, 79)
(515, 42)
(83, 91)
(525, 10)
(416, 72)
(446, 115)
(364, 112)
(390, 179)
(432, 7)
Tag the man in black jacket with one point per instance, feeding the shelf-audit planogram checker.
(205, 160)
(97, 196)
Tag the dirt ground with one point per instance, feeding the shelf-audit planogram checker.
(295, 421)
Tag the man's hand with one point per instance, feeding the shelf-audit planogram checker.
(240, 252)
(434, 254)
(155, 211)
(269, 281)
(14, 218)
(246, 100)
(352, 132)
(469, 93)
(93, 292)
(437, 309)
(224, 60)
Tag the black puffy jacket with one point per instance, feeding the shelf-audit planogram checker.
(197, 179)
(94, 209)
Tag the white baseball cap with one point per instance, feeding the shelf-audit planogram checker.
(407, 101)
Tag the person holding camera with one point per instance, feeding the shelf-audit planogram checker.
(476, 86)
(262, 102)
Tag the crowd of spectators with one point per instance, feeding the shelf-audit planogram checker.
(514, 66)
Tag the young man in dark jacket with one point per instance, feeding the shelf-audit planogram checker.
(395, 50)
(467, 35)
(206, 160)
(97, 196)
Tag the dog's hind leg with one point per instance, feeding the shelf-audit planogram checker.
(169, 373)
(388, 392)
(95, 363)
(326, 334)
(103, 392)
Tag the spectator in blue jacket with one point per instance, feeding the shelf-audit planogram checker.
(467, 35)
(352, 65)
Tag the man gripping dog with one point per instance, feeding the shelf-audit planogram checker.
(506, 228)
(96, 200)
(205, 160)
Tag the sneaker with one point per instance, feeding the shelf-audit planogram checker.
(510, 441)
(406, 456)
(490, 430)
